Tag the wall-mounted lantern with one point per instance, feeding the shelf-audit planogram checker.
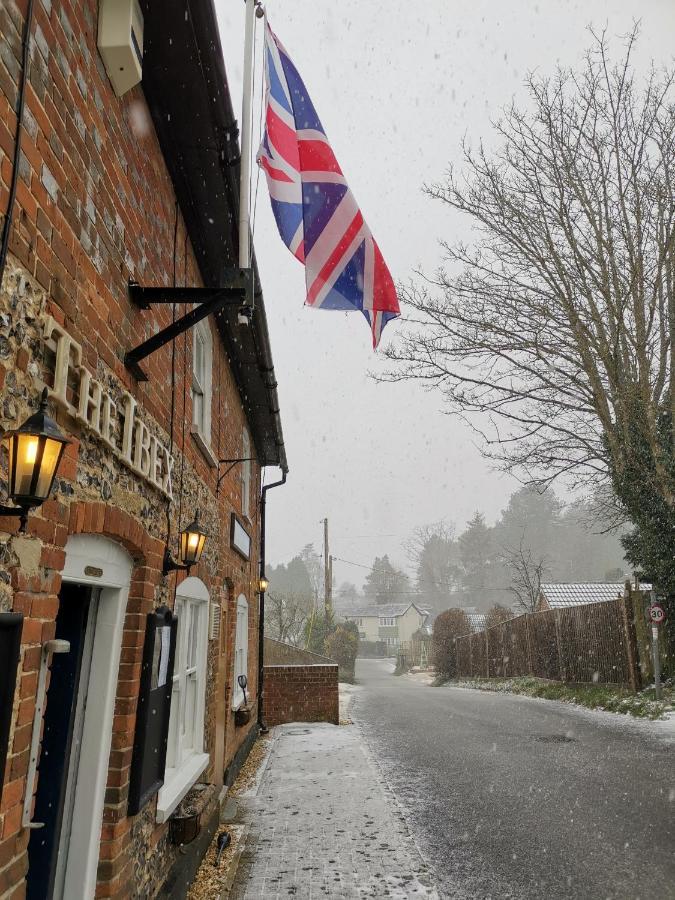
(263, 584)
(35, 450)
(190, 546)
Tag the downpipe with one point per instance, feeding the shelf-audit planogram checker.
(261, 608)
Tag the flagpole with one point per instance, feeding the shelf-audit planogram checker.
(245, 180)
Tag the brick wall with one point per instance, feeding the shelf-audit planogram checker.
(301, 694)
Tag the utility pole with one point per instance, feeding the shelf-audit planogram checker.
(327, 571)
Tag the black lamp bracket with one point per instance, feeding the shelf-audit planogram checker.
(235, 289)
(170, 565)
(233, 463)
(21, 511)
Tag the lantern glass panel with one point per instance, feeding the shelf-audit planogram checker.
(26, 452)
(50, 461)
(191, 546)
(23, 454)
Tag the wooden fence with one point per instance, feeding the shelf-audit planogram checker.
(593, 643)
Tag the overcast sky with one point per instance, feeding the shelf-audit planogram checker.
(396, 85)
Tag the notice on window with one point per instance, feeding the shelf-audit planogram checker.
(160, 656)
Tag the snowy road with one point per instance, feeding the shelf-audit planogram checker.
(512, 797)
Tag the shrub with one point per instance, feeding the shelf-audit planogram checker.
(342, 646)
(497, 615)
(448, 626)
(318, 628)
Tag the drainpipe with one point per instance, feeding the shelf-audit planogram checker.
(261, 610)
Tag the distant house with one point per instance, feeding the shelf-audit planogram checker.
(392, 623)
(477, 621)
(561, 596)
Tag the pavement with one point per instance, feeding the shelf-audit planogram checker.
(512, 797)
(322, 823)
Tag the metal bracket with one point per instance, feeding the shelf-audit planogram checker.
(229, 468)
(236, 289)
(20, 511)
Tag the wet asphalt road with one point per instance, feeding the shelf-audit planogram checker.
(509, 797)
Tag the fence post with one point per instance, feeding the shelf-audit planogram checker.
(528, 643)
(470, 655)
(631, 644)
(561, 665)
(487, 654)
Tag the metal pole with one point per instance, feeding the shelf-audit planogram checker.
(326, 569)
(657, 661)
(245, 170)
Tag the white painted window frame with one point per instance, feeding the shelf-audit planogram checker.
(240, 651)
(186, 761)
(202, 386)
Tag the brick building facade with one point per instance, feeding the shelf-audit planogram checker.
(110, 189)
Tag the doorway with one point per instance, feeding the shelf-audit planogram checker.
(77, 724)
(61, 746)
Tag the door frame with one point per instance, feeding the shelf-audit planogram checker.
(100, 562)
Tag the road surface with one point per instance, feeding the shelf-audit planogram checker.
(510, 797)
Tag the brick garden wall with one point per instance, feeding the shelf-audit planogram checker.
(301, 694)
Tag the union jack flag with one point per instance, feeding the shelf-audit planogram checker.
(316, 213)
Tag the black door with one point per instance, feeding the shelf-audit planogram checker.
(71, 625)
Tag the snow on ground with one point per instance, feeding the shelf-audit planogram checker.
(662, 729)
(421, 676)
(346, 694)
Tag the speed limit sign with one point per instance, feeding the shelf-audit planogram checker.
(657, 614)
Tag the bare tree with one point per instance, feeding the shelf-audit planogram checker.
(433, 552)
(553, 334)
(527, 574)
(286, 615)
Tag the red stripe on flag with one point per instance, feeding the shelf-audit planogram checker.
(283, 139)
(334, 258)
(317, 156)
(276, 174)
(384, 291)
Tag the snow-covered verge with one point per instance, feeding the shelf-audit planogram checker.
(421, 676)
(607, 698)
(346, 692)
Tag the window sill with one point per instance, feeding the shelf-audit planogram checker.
(204, 446)
(173, 791)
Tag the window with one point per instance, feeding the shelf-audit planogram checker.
(240, 651)
(245, 473)
(185, 757)
(202, 366)
(388, 621)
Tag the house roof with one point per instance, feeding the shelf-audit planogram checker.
(562, 595)
(477, 621)
(392, 610)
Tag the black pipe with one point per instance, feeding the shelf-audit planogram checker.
(9, 215)
(261, 609)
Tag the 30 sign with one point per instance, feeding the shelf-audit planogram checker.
(656, 613)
